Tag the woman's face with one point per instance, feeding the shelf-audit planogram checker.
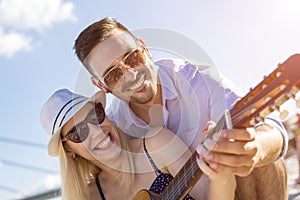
(95, 142)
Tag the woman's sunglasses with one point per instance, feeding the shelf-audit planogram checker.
(81, 131)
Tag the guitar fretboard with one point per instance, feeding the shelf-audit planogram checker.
(189, 173)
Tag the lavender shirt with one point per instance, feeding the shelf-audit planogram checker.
(192, 95)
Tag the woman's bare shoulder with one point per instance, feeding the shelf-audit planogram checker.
(159, 138)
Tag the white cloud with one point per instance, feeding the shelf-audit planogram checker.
(12, 42)
(48, 183)
(51, 182)
(18, 17)
(34, 14)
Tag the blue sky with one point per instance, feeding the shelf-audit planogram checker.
(244, 39)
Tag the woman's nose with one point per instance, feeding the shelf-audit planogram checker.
(95, 129)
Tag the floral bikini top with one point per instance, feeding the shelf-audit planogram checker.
(158, 185)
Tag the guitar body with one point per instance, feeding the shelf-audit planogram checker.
(264, 183)
(146, 195)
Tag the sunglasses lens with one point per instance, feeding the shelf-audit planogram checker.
(135, 58)
(83, 132)
(79, 133)
(113, 76)
(100, 112)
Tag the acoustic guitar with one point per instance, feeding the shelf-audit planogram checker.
(268, 182)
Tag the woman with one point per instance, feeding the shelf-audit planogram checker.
(99, 163)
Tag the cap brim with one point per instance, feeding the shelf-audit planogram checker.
(53, 147)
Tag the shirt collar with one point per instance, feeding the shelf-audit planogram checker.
(166, 77)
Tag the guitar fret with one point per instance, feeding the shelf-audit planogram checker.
(185, 175)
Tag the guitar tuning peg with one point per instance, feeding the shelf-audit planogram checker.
(252, 110)
(258, 119)
(273, 107)
(278, 74)
(282, 87)
(264, 86)
(289, 94)
(268, 98)
(283, 114)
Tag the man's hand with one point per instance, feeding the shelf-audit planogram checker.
(238, 151)
(235, 152)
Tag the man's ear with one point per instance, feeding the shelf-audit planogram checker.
(144, 46)
(99, 85)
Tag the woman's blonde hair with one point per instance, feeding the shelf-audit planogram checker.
(77, 173)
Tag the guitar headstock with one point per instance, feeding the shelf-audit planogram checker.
(278, 87)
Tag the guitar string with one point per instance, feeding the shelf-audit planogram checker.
(176, 186)
(179, 187)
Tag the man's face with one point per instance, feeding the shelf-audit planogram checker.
(124, 66)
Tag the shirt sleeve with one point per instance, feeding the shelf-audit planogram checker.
(273, 121)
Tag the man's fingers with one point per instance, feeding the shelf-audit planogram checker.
(229, 147)
(205, 168)
(247, 134)
(224, 169)
(230, 159)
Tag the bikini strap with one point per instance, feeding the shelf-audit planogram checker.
(156, 170)
(99, 188)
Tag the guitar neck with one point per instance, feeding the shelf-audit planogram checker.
(189, 174)
(184, 180)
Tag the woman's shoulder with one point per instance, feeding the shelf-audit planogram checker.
(165, 147)
(160, 138)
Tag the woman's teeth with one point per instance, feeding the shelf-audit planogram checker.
(105, 143)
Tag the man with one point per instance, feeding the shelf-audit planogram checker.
(175, 94)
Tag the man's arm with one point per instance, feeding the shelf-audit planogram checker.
(270, 144)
